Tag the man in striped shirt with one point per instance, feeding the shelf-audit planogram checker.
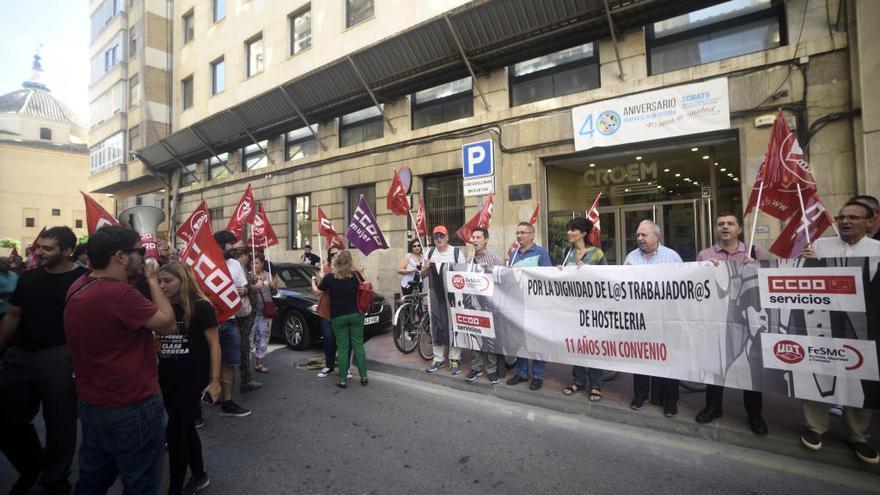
(651, 252)
(483, 257)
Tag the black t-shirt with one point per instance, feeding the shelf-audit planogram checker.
(311, 259)
(187, 353)
(41, 296)
(343, 294)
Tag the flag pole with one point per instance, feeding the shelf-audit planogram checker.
(755, 220)
(804, 214)
(320, 247)
(253, 251)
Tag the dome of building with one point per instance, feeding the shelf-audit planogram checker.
(36, 100)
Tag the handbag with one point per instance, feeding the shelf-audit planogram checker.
(364, 294)
(245, 309)
(269, 309)
(324, 306)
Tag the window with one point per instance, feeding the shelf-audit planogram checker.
(107, 57)
(186, 92)
(216, 215)
(29, 222)
(133, 43)
(108, 104)
(253, 157)
(722, 31)
(444, 202)
(134, 91)
(107, 153)
(56, 212)
(300, 143)
(111, 57)
(189, 28)
(218, 76)
(354, 198)
(360, 126)
(444, 103)
(560, 73)
(133, 134)
(218, 167)
(300, 30)
(45, 133)
(300, 221)
(254, 55)
(188, 174)
(78, 223)
(104, 14)
(219, 10)
(357, 11)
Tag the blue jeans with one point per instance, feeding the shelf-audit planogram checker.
(522, 368)
(127, 442)
(230, 343)
(579, 376)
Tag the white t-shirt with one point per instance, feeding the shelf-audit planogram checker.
(238, 276)
(447, 256)
(834, 247)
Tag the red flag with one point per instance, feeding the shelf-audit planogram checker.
(532, 220)
(422, 220)
(244, 213)
(793, 239)
(482, 219)
(31, 252)
(189, 227)
(203, 255)
(595, 235)
(326, 230)
(784, 169)
(397, 202)
(263, 236)
(96, 215)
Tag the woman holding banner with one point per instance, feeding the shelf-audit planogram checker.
(580, 253)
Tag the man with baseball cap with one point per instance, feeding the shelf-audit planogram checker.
(442, 252)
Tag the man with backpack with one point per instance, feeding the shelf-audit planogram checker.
(442, 252)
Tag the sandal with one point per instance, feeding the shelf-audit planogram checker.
(570, 390)
(595, 395)
(340, 384)
(261, 369)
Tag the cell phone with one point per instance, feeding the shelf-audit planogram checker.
(206, 398)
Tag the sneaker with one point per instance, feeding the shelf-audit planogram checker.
(454, 368)
(865, 452)
(536, 384)
(637, 403)
(434, 367)
(325, 372)
(493, 378)
(348, 375)
(836, 410)
(249, 386)
(230, 408)
(200, 423)
(670, 408)
(196, 484)
(473, 374)
(811, 440)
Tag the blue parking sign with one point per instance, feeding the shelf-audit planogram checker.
(478, 159)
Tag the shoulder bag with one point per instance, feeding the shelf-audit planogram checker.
(364, 293)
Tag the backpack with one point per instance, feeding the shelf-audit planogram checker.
(455, 252)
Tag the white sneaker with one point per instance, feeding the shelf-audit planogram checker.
(325, 371)
(349, 375)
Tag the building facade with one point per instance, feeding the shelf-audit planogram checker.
(317, 103)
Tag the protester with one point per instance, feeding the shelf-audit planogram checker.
(442, 252)
(853, 221)
(528, 254)
(230, 337)
(109, 326)
(483, 257)
(189, 366)
(310, 258)
(348, 323)
(410, 268)
(728, 228)
(35, 370)
(264, 286)
(874, 223)
(651, 252)
(80, 256)
(8, 281)
(244, 321)
(329, 341)
(578, 254)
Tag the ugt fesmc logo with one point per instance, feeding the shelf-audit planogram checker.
(829, 289)
(476, 283)
(791, 352)
(847, 359)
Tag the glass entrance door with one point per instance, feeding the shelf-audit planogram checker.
(683, 224)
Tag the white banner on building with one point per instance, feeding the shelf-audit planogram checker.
(691, 321)
(664, 113)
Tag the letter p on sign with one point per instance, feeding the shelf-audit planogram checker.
(478, 159)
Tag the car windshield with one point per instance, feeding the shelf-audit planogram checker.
(295, 276)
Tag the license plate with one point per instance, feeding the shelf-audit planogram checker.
(371, 319)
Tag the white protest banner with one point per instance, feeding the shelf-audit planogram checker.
(691, 321)
(664, 113)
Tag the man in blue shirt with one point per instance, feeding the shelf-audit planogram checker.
(528, 254)
(651, 252)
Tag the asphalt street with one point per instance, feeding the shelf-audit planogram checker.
(399, 435)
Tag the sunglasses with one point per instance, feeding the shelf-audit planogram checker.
(439, 236)
(141, 250)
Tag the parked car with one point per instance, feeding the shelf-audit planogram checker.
(297, 322)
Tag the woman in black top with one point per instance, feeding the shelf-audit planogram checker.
(347, 321)
(189, 366)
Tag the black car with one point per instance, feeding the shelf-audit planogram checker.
(297, 321)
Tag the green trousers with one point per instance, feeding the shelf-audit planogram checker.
(349, 330)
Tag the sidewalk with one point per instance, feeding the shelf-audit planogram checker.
(783, 415)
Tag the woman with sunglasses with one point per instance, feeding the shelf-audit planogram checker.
(410, 267)
(189, 367)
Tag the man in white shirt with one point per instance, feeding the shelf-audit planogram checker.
(853, 222)
(442, 252)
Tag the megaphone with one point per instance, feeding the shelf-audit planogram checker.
(146, 220)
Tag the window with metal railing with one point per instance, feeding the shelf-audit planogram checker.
(444, 103)
(444, 204)
(559, 73)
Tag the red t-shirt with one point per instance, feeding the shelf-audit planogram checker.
(114, 356)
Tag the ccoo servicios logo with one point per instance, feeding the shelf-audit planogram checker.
(829, 289)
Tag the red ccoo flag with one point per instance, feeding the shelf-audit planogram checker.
(206, 260)
(326, 230)
(189, 227)
(263, 232)
(422, 220)
(793, 239)
(482, 219)
(532, 220)
(595, 236)
(96, 215)
(397, 201)
(244, 213)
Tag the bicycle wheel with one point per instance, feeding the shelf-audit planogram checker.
(426, 344)
(405, 333)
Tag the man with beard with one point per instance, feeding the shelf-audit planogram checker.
(36, 369)
(109, 326)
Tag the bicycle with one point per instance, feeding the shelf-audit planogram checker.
(411, 324)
